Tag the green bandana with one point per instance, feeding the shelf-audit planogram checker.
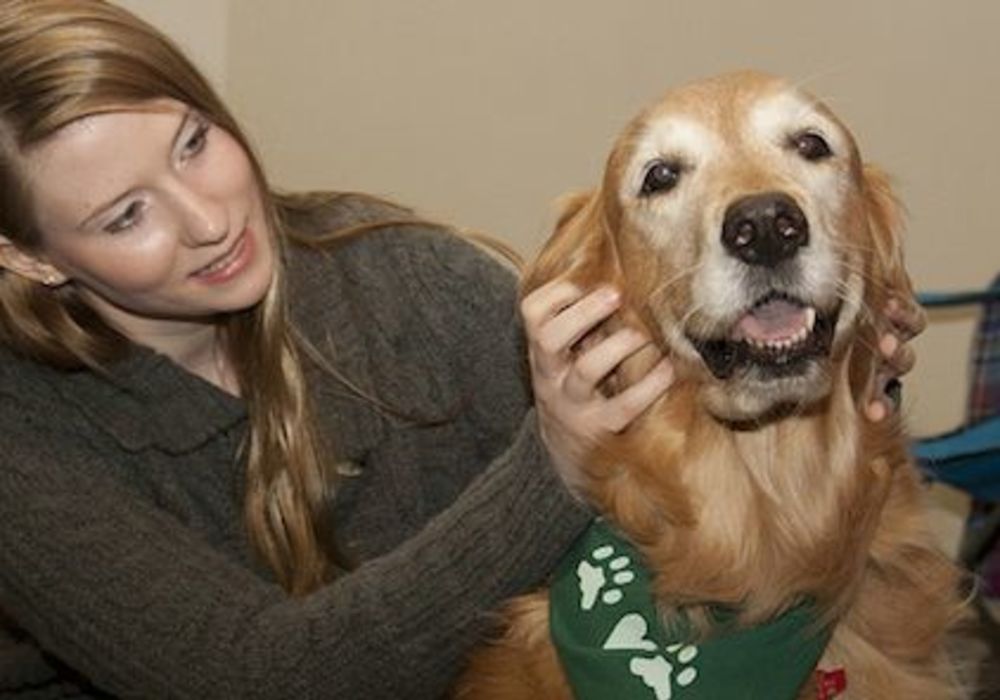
(612, 643)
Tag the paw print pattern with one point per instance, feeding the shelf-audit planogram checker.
(663, 673)
(684, 654)
(608, 570)
(659, 674)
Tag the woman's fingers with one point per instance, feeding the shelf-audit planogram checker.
(897, 357)
(886, 395)
(557, 316)
(625, 407)
(543, 303)
(599, 360)
(907, 320)
(570, 357)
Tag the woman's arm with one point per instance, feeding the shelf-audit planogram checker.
(139, 604)
(142, 605)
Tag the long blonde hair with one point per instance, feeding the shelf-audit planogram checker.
(61, 60)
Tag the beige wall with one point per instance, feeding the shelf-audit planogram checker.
(201, 27)
(482, 113)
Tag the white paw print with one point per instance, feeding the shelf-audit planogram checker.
(594, 577)
(684, 654)
(662, 673)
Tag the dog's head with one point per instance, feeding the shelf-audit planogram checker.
(747, 235)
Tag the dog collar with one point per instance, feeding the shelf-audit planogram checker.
(612, 643)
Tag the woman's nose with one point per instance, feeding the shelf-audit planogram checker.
(205, 218)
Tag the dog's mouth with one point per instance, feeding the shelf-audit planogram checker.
(779, 335)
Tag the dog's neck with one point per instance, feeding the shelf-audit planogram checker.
(760, 516)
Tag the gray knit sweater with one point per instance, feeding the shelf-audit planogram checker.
(124, 566)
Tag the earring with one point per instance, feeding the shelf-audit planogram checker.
(51, 280)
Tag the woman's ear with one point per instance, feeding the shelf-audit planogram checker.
(20, 262)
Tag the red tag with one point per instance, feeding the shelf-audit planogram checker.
(830, 684)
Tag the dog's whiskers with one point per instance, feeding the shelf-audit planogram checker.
(867, 276)
(681, 275)
(865, 313)
(691, 311)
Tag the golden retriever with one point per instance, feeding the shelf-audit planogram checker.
(753, 244)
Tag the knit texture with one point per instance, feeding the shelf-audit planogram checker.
(124, 566)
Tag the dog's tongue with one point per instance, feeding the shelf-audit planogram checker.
(773, 320)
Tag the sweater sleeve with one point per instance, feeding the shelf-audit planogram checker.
(140, 605)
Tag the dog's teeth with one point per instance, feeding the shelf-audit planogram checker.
(810, 319)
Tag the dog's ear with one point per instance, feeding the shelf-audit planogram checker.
(581, 248)
(887, 276)
(886, 221)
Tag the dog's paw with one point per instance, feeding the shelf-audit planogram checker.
(602, 580)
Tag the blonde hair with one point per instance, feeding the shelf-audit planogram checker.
(61, 60)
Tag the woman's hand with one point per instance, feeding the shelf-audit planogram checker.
(905, 321)
(573, 413)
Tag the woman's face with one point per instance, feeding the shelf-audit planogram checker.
(154, 215)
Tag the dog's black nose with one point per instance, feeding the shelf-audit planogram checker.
(764, 229)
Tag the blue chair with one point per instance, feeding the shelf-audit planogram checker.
(968, 458)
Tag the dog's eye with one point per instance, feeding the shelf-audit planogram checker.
(811, 146)
(661, 176)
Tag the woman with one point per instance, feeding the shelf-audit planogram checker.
(254, 445)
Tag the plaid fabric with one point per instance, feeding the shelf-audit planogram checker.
(984, 385)
(984, 402)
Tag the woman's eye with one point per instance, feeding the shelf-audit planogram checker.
(195, 143)
(811, 146)
(127, 219)
(661, 176)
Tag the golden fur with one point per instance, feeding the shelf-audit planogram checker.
(749, 489)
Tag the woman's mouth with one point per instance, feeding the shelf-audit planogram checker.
(227, 266)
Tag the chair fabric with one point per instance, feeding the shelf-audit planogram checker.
(968, 458)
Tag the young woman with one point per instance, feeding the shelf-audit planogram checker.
(256, 445)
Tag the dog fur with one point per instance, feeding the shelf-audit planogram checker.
(749, 484)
